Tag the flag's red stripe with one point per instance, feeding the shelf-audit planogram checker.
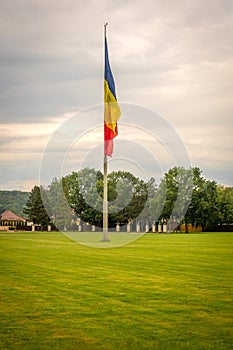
(109, 133)
(108, 140)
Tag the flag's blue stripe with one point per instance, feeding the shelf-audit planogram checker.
(107, 71)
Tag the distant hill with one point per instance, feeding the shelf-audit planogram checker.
(14, 201)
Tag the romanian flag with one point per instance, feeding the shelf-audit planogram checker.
(111, 108)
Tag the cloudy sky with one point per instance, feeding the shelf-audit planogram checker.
(171, 57)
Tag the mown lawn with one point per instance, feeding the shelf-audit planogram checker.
(163, 291)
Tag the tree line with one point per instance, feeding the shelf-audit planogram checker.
(182, 196)
(13, 200)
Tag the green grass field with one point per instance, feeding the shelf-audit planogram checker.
(167, 291)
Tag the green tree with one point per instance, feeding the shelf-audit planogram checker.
(225, 205)
(84, 194)
(175, 191)
(156, 202)
(57, 205)
(203, 208)
(35, 209)
(129, 196)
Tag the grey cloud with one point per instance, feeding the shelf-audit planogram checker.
(172, 56)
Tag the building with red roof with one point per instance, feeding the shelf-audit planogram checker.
(9, 221)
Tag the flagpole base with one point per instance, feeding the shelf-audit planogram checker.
(105, 236)
(105, 239)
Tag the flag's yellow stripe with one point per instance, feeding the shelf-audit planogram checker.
(112, 110)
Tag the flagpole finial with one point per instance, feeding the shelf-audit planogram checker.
(105, 26)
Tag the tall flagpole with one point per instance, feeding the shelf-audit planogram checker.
(105, 201)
